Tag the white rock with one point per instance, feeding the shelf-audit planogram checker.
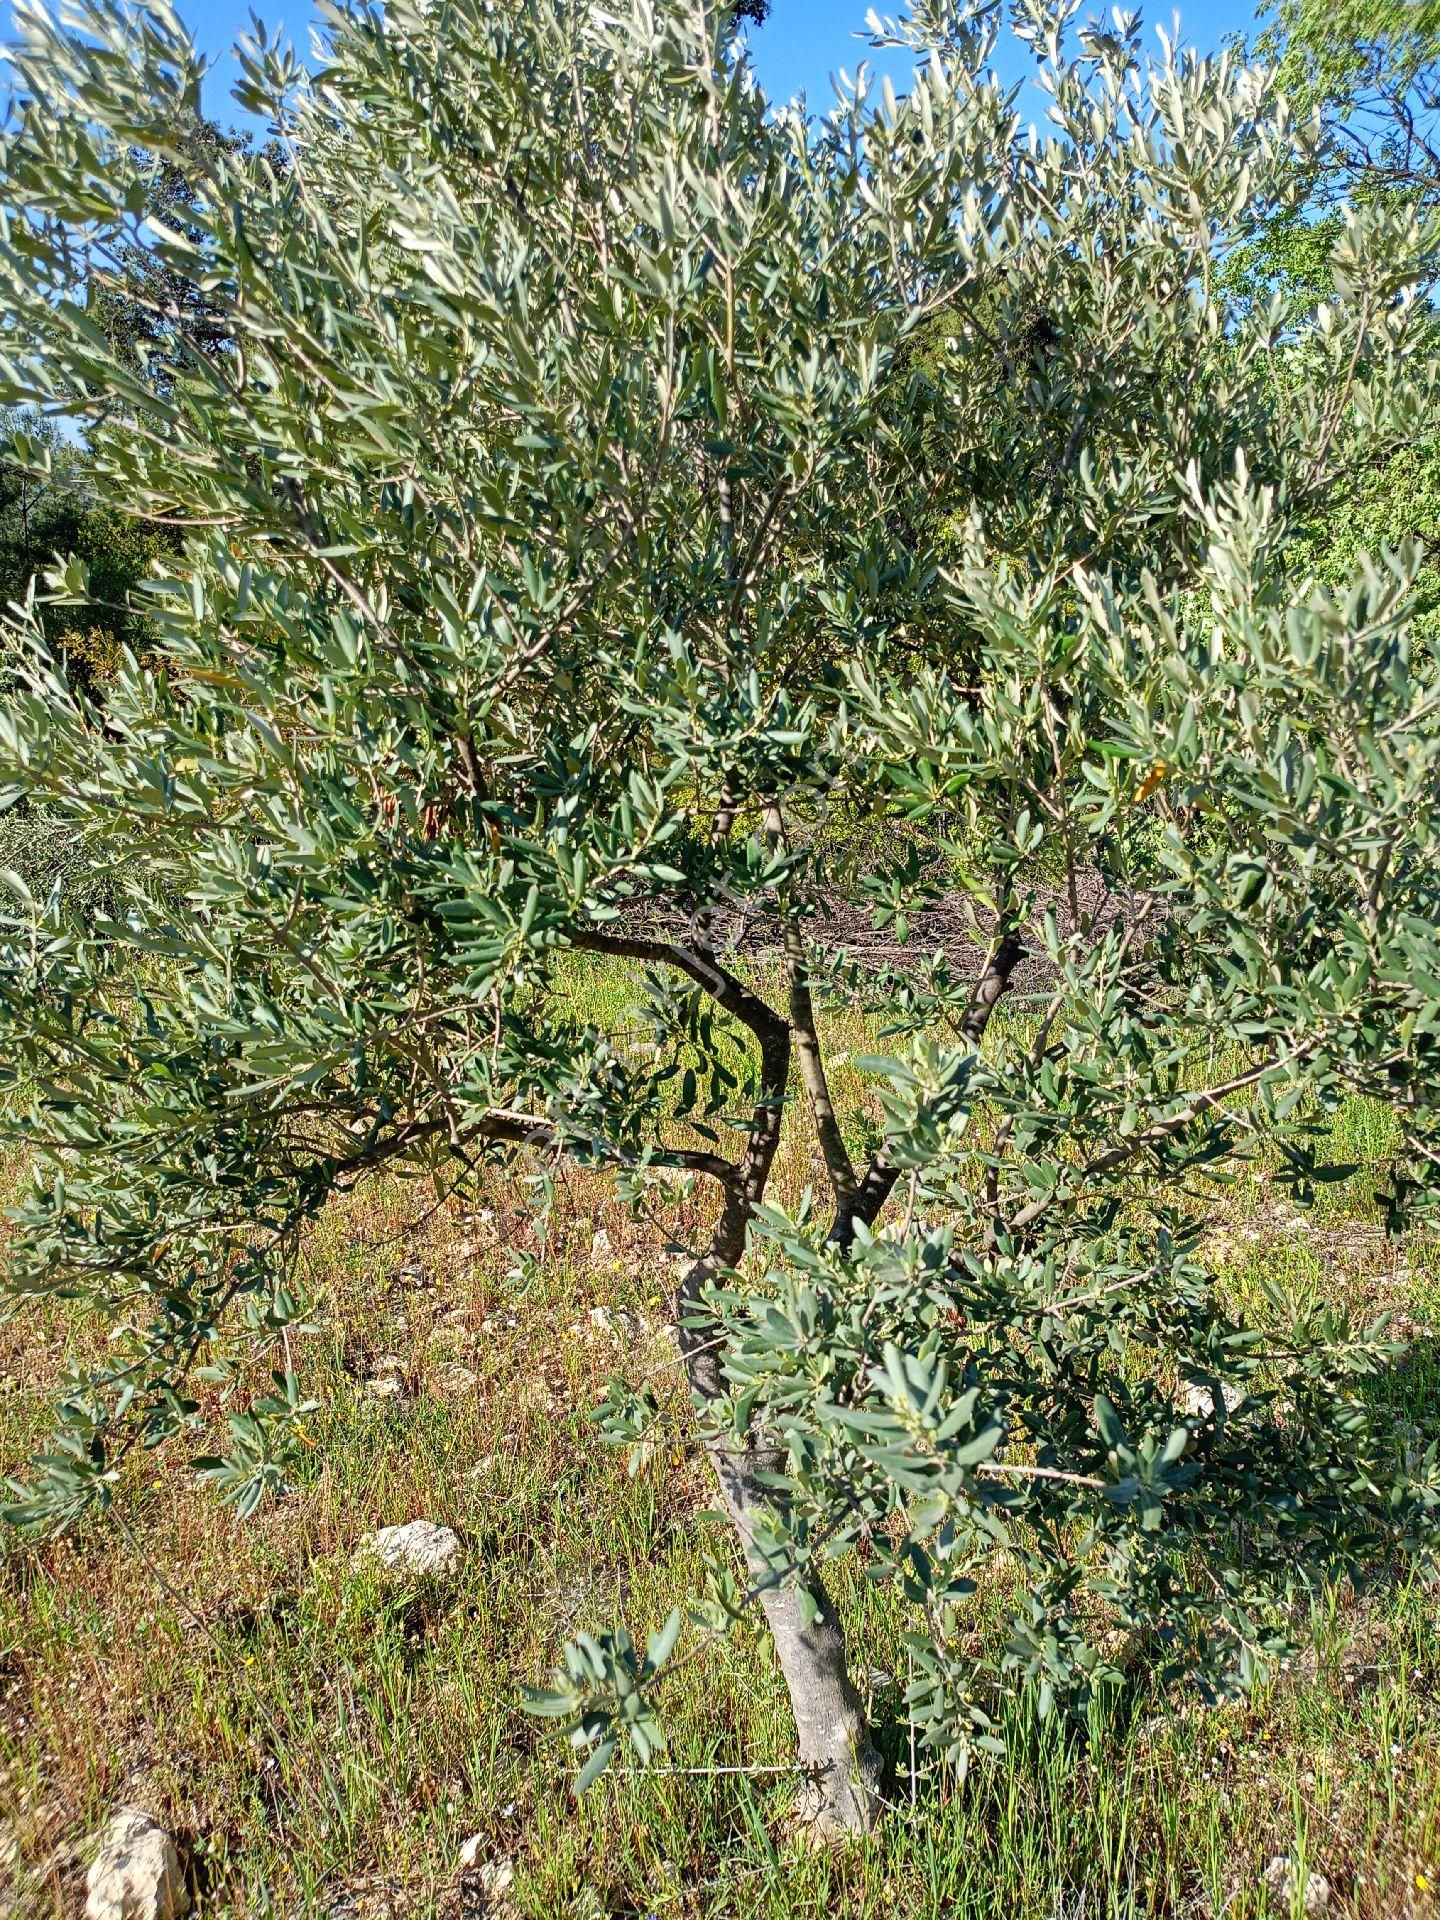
(492, 1877)
(9, 1870)
(417, 1547)
(387, 1378)
(1282, 1877)
(387, 1386)
(136, 1873)
(495, 1878)
(452, 1381)
(896, 1230)
(600, 1248)
(1199, 1403)
(616, 1320)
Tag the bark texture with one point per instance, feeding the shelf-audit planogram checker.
(841, 1796)
(842, 1768)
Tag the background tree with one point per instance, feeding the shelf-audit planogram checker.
(1372, 73)
(1372, 78)
(48, 512)
(151, 315)
(556, 571)
(51, 517)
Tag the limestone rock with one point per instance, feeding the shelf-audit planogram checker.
(491, 1878)
(9, 1870)
(387, 1378)
(419, 1547)
(495, 1878)
(615, 1320)
(136, 1874)
(453, 1380)
(385, 1386)
(1283, 1878)
(1202, 1403)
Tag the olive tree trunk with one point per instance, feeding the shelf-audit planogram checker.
(842, 1767)
(841, 1794)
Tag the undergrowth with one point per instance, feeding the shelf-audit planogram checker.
(324, 1741)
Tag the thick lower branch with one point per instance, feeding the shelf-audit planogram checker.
(528, 1130)
(703, 968)
(769, 1029)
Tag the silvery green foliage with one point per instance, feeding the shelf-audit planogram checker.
(606, 1690)
(564, 557)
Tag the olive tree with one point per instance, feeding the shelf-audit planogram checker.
(615, 502)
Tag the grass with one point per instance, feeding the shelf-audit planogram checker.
(324, 1740)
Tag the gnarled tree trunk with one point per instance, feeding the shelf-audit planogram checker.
(841, 1796)
(842, 1767)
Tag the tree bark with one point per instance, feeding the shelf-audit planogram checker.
(841, 1796)
(842, 1767)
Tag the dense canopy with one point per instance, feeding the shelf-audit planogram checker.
(602, 501)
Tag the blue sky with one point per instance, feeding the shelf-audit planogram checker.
(805, 41)
(798, 50)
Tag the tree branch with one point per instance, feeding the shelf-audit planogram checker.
(746, 1185)
(527, 1130)
(503, 1126)
(1117, 1155)
(812, 1071)
(705, 970)
(880, 1177)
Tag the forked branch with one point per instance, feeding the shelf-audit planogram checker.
(880, 1176)
(812, 1071)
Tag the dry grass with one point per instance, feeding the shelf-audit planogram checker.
(324, 1740)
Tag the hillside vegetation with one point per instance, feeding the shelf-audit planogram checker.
(720, 1005)
(328, 1739)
